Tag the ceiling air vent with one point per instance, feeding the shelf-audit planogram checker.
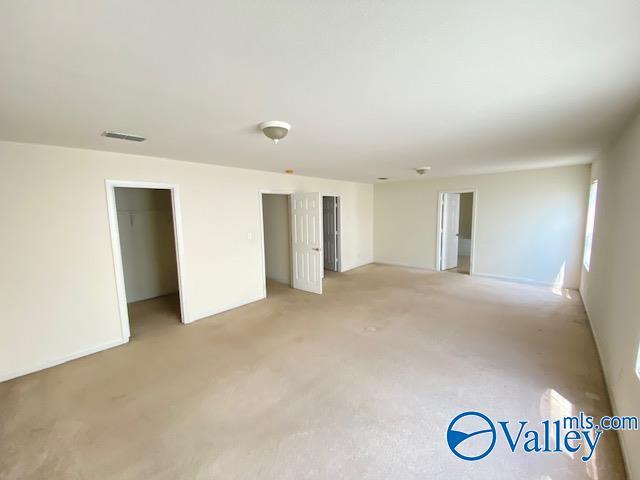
(124, 136)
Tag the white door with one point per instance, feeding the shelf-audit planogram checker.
(450, 230)
(306, 241)
(330, 232)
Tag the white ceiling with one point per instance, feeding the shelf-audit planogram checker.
(372, 88)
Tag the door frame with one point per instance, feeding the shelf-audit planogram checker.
(261, 230)
(290, 192)
(339, 223)
(473, 226)
(112, 210)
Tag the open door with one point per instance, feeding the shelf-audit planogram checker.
(306, 242)
(449, 229)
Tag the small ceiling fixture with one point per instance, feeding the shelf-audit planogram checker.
(289, 171)
(124, 136)
(422, 170)
(383, 178)
(275, 130)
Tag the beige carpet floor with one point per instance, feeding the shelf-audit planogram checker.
(359, 383)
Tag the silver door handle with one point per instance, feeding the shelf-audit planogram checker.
(315, 248)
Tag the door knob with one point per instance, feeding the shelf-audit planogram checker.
(315, 248)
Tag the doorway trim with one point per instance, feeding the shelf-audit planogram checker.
(473, 226)
(261, 230)
(290, 192)
(112, 210)
(339, 244)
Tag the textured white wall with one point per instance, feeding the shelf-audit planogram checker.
(611, 289)
(277, 250)
(58, 291)
(529, 224)
(145, 224)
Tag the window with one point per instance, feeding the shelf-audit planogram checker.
(591, 216)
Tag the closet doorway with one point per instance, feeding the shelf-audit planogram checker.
(301, 238)
(146, 242)
(456, 231)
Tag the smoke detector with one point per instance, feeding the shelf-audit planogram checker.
(275, 130)
(422, 170)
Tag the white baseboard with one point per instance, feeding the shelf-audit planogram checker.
(283, 281)
(60, 360)
(347, 268)
(505, 278)
(404, 265)
(612, 398)
(508, 278)
(529, 281)
(231, 306)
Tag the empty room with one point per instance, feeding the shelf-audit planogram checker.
(320, 240)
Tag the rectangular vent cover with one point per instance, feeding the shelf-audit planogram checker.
(124, 136)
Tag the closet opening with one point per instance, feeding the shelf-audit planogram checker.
(145, 231)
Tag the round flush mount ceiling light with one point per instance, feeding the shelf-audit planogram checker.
(422, 170)
(275, 130)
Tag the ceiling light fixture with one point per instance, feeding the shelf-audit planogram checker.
(383, 178)
(422, 170)
(275, 130)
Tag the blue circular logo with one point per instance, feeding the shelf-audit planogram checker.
(471, 436)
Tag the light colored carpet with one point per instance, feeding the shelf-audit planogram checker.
(360, 383)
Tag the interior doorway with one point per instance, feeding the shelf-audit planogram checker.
(331, 232)
(276, 232)
(301, 235)
(146, 242)
(456, 221)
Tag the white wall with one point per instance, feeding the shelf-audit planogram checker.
(58, 289)
(145, 224)
(611, 289)
(277, 249)
(529, 224)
